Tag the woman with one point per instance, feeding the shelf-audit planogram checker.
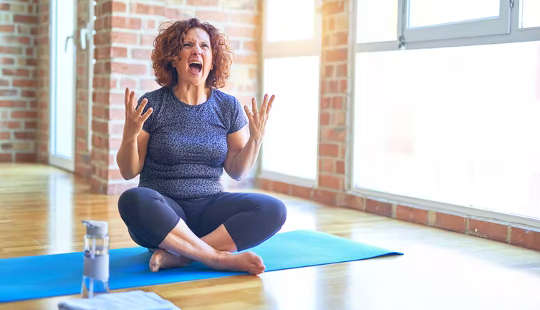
(179, 138)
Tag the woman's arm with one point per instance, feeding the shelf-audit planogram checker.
(242, 154)
(244, 145)
(130, 156)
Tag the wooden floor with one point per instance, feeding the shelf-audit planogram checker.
(41, 209)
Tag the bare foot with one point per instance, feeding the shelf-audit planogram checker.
(162, 259)
(246, 261)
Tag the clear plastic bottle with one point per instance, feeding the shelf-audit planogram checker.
(96, 259)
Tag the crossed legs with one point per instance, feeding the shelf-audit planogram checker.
(230, 223)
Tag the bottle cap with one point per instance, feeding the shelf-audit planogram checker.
(96, 228)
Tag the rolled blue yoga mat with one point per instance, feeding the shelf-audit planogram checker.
(61, 274)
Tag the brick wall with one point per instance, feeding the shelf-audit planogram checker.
(18, 106)
(335, 145)
(82, 150)
(42, 76)
(125, 31)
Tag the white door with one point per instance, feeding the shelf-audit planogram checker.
(62, 84)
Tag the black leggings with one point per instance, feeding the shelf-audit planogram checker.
(249, 218)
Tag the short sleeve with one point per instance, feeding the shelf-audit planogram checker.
(238, 119)
(148, 125)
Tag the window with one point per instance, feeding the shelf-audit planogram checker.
(441, 117)
(291, 71)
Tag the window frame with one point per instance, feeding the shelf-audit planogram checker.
(427, 40)
(436, 36)
(281, 49)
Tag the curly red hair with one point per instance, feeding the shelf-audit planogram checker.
(169, 41)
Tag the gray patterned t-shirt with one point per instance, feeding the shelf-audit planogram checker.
(188, 143)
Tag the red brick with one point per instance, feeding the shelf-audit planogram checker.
(281, 187)
(488, 230)
(118, 188)
(341, 70)
(338, 118)
(337, 102)
(114, 6)
(7, 28)
(353, 202)
(330, 181)
(326, 165)
(23, 114)
(236, 31)
(333, 134)
(379, 207)
(24, 83)
(341, 38)
(324, 118)
(149, 85)
(126, 22)
(330, 8)
(525, 238)
(28, 93)
(212, 16)
(246, 59)
(251, 46)
(23, 157)
(244, 18)
(203, 2)
(340, 167)
(4, 135)
(147, 40)
(128, 83)
(30, 125)
(6, 157)
(342, 86)
(333, 55)
(148, 9)
(10, 124)
(414, 215)
(7, 61)
(301, 191)
(10, 50)
(25, 135)
(328, 149)
(450, 222)
(325, 197)
(120, 52)
(264, 184)
(150, 25)
(18, 72)
(27, 19)
(141, 53)
(129, 69)
(8, 92)
(123, 37)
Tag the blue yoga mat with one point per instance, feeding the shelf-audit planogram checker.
(61, 274)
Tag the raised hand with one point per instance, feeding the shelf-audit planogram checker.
(257, 119)
(134, 116)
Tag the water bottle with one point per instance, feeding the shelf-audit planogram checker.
(96, 259)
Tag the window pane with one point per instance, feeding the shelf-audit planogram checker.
(65, 79)
(376, 20)
(436, 12)
(290, 20)
(531, 13)
(290, 143)
(449, 125)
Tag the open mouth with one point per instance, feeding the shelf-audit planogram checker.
(195, 67)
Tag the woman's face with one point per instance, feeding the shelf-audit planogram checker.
(195, 59)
